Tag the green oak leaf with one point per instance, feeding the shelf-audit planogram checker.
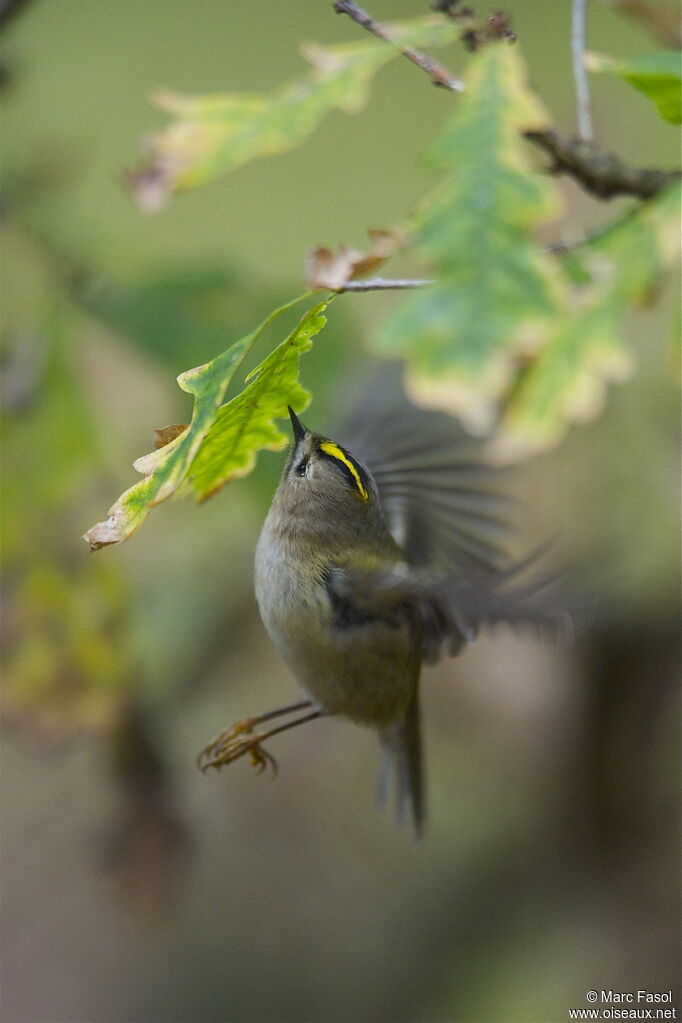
(657, 75)
(221, 441)
(632, 253)
(463, 337)
(567, 382)
(213, 134)
(620, 267)
(246, 425)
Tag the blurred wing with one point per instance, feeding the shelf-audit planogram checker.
(440, 506)
(435, 489)
(450, 610)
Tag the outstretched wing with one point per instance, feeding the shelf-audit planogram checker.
(436, 492)
(450, 609)
(441, 506)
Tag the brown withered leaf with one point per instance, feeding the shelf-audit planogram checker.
(334, 270)
(166, 434)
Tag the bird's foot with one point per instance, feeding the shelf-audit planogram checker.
(237, 741)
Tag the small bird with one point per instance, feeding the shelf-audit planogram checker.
(366, 569)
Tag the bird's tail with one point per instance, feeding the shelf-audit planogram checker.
(402, 760)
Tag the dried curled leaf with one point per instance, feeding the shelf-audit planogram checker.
(334, 270)
(212, 134)
(166, 434)
(221, 441)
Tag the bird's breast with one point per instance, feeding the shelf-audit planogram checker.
(352, 663)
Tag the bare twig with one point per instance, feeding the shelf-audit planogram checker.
(384, 284)
(438, 74)
(561, 247)
(599, 173)
(557, 248)
(582, 89)
(564, 246)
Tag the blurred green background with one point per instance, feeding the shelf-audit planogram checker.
(134, 888)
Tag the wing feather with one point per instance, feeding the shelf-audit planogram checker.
(441, 506)
(435, 489)
(451, 610)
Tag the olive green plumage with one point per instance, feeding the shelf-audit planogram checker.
(364, 572)
(367, 568)
(325, 526)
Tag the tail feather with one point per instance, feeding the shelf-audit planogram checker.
(402, 761)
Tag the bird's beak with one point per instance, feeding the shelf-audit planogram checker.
(297, 426)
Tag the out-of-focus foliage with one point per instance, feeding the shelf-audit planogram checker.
(67, 656)
(566, 381)
(552, 846)
(504, 338)
(214, 134)
(175, 315)
(222, 441)
(497, 290)
(657, 75)
(507, 337)
(510, 338)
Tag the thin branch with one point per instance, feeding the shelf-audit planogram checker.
(560, 248)
(557, 248)
(438, 74)
(599, 173)
(563, 246)
(582, 89)
(384, 284)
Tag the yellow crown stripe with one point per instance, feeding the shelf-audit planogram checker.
(335, 451)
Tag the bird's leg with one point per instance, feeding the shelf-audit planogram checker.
(239, 739)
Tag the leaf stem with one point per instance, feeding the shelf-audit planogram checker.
(582, 89)
(438, 74)
(559, 247)
(385, 284)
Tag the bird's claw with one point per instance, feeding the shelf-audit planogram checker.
(260, 759)
(233, 743)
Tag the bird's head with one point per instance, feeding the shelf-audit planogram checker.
(324, 481)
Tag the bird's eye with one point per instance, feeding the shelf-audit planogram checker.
(301, 467)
